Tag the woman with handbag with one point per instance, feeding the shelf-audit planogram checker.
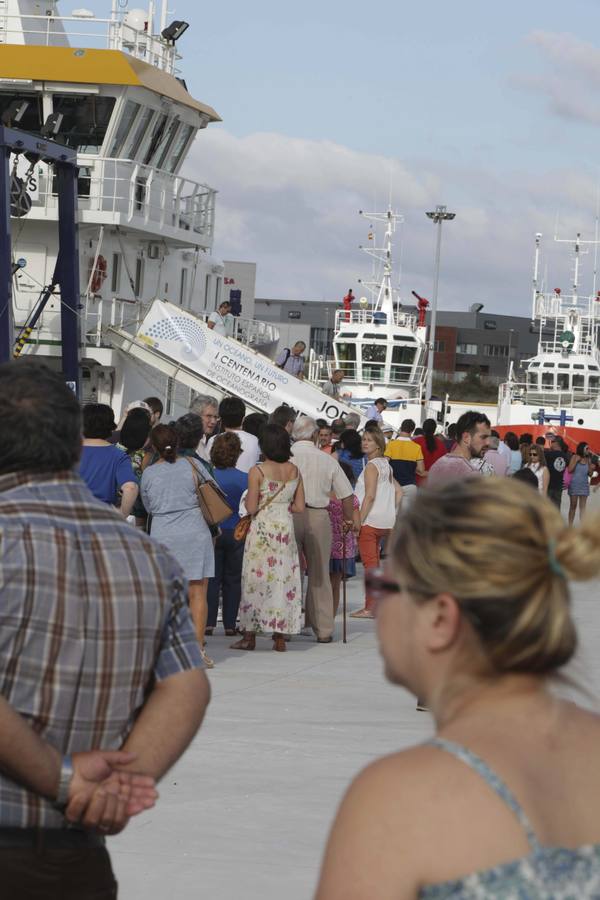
(229, 549)
(271, 587)
(169, 492)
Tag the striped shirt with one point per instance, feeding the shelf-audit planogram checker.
(93, 612)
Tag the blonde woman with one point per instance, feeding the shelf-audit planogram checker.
(537, 464)
(474, 616)
(379, 495)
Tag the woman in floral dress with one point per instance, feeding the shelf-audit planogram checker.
(271, 587)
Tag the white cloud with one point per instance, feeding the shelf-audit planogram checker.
(571, 84)
(291, 206)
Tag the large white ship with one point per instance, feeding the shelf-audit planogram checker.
(560, 391)
(379, 346)
(110, 89)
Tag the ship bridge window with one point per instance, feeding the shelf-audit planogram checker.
(564, 366)
(373, 356)
(594, 382)
(347, 334)
(402, 362)
(141, 127)
(562, 381)
(407, 338)
(547, 379)
(32, 119)
(157, 133)
(370, 336)
(593, 368)
(578, 366)
(85, 120)
(130, 111)
(166, 140)
(346, 358)
(178, 147)
(534, 365)
(578, 381)
(548, 365)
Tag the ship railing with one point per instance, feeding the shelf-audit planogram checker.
(141, 195)
(585, 346)
(530, 395)
(345, 317)
(320, 369)
(52, 30)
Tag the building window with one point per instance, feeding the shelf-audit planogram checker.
(439, 346)
(115, 277)
(489, 325)
(467, 349)
(495, 350)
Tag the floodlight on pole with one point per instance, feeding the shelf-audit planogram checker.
(440, 215)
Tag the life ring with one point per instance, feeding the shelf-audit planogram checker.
(98, 275)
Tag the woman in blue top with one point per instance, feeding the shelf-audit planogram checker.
(229, 553)
(349, 450)
(474, 617)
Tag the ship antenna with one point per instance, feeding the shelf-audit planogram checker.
(595, 274)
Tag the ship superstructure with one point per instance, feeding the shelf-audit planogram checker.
(145, 230)
(560, 392)
(380, 347)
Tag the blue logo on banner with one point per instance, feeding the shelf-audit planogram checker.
(181, 330)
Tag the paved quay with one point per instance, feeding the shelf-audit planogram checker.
(246, 811)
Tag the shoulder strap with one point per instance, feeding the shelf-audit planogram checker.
(271, 498)
(494, 781)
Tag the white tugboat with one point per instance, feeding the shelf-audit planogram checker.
(145, 230)
(380, 348)
(561, 390)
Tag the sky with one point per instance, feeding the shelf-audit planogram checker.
(334, 106)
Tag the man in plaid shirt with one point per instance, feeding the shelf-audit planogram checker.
(97, 647)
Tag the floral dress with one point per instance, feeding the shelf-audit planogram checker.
(271, 588)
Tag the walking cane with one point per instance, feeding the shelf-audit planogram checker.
(344, 533)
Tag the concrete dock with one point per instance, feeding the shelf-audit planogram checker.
(247, 810)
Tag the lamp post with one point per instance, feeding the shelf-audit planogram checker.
(440, 215)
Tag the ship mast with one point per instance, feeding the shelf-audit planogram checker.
(383, 290)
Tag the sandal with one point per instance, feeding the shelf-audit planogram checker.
(208, 631)
(208, 662)
(248, 642)
(362, 614)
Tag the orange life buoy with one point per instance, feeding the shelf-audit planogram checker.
(99, 274)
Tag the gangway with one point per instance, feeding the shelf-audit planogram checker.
(181, 346)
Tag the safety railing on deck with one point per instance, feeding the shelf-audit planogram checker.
(528, 395)
(117, 33)
(319, 369)
(344, 317)
(144, 196)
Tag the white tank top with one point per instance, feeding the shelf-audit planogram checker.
(383, 511)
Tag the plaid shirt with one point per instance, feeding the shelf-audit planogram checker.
(92, 612)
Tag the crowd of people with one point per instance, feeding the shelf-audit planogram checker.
(318, 495)
(113, 573)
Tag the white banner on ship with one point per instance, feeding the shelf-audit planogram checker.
(231, 366)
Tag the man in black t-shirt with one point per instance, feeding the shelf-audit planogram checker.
(556, 460)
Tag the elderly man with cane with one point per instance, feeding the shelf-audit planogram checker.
(322, 476)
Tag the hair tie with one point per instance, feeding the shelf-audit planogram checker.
(554, 564)
(168, 447)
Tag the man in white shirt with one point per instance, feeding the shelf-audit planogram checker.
(321, 476)
(221, 320)
(207, 408)
(375, 411)
(232, 411)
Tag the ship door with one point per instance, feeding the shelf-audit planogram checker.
(97, 383)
